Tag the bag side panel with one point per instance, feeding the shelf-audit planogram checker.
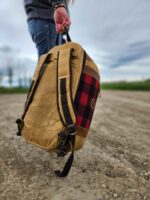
(42, 121)
(85, 100)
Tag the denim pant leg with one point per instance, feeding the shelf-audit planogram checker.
(43, 34)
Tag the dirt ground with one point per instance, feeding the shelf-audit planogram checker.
(114, 163)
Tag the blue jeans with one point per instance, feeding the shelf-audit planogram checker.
(43, 34)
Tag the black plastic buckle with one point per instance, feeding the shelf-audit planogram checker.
(64, 140)
(20, 124)
(71, 129)
(62, 149)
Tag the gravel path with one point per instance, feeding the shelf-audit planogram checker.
(114, 163)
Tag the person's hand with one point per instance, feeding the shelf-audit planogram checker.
(62, 20)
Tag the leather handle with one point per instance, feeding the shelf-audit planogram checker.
(60, 38)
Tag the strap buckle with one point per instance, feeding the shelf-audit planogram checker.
(20, 124)
(62, 149)
(64, 140)
(71, 129)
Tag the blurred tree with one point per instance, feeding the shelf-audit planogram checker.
(16, 68)
(8, 56)
(1, 78)
(10, 75)
(20, 82)
(29, 81)
(25, 80)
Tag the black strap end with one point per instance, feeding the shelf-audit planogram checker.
(60, 174)
(67, 167)
(18, 133)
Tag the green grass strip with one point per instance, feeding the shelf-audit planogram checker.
(135, 85)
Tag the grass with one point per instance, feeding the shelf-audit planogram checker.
(134, 85)
(13, 90)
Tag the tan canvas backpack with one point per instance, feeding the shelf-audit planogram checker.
(61, 101)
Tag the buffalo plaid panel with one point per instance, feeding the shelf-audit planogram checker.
(87, 93)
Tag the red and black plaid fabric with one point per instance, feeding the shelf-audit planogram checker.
(85, 99)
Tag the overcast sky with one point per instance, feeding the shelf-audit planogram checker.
(116, 33)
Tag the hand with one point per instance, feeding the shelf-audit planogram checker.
(62, 20)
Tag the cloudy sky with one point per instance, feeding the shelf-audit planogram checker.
(116, 33)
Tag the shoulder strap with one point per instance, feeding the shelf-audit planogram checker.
(66, 106)
(64, 88)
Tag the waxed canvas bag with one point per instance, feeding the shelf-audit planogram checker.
(61, 101)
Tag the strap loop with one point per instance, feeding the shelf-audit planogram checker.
(60, 38)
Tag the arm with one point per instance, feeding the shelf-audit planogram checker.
(61, 16)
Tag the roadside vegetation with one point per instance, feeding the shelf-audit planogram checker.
(122, 85)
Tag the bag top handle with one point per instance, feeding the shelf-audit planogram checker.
(60, 38)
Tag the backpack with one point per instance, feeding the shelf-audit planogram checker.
(61, 101)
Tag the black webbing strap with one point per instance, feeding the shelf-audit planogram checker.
(66, 108)
(64, 88)
(69, 162)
